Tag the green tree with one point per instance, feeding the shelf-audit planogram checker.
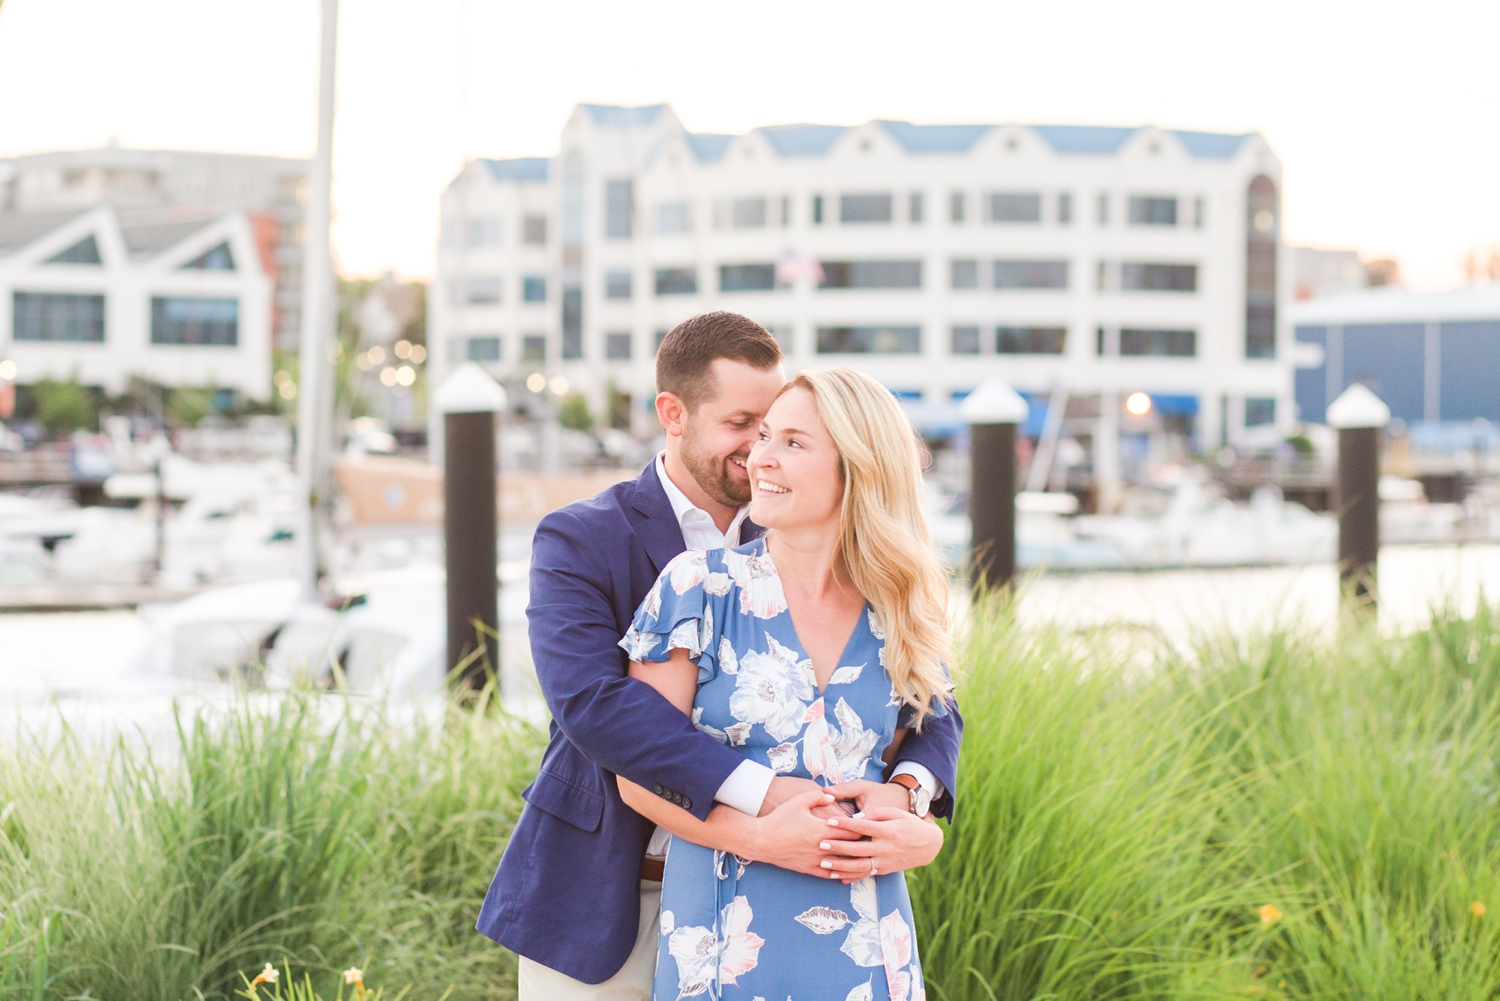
(189, 406)
(573, 412)
(62, 407)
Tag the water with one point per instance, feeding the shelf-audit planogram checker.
(78, 661)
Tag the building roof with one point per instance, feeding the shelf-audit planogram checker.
(17, 229)
(1211, 145)
(521, 168)
(1394, 304)
(1095, 140)
(708, 146)
(935, 138)
(614, 116)
(802, 140)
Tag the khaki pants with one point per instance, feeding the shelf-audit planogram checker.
(632, 983)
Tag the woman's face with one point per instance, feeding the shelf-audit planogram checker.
(794, 467)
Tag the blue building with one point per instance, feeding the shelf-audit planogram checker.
(1432, 357)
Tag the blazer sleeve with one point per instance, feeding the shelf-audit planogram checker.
(623, 725)
(936, 746)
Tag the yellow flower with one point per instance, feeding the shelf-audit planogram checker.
(266, 976)
(1477, 909)
(1269, 914)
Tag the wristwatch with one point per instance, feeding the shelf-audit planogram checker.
(920, 798)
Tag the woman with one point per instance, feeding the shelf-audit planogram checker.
(805, 650)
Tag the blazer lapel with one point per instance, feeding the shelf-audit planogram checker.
(658, 531)
(750, 531)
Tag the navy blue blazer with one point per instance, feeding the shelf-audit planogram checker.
(567, 892)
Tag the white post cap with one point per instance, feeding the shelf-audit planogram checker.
(469, 390)
(994, 402)
(1357, 407)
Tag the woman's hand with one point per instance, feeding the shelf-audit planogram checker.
(893, 840)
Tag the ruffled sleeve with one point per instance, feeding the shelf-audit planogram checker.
(682, 612)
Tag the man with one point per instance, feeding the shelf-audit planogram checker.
(578, 889)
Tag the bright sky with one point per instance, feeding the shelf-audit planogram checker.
(1384, 114)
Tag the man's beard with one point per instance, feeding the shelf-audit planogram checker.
(712, 474)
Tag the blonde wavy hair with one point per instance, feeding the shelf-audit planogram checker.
(884, 541)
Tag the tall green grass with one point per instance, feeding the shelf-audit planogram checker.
(268, 831)
(1127, 812)
(1123, 820)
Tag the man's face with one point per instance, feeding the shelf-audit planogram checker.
(717, 434)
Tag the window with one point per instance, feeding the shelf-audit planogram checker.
(965, 340)
(1259, 410)
(619, 209)
(870, 340)
(86, 251)
(956, 207)
(481, 232)
(747, 213)
(213, 322)
(1015, 207)
(1030, 340)
(482, 291)
(1145, 211)
(1137, 277)
(483, 349)
(572, 323)
(1167, 343)
(1102, 209)
(1260, 268)
(786, 210)
(783, 334)
(964, 273)
(1197, 213)
(661, 335)
(676, 281)
(871, 274)
(213, 259)
(914, 207)
(617, 345)
(1064, 208)
(534, 230)
(865, 208)
(1031, 274)
(673, 217)
(534, 347)
(618, 284)
(56, 316)
(817, 210)
(747, 277)
(534, 288)
(1101, 276)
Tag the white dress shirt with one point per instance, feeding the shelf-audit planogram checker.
(746, 787)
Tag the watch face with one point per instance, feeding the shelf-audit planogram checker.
(920, 801)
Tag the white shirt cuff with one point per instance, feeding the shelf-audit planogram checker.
(746, 787)
(921, 773)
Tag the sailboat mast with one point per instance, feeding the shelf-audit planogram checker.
(315, 402)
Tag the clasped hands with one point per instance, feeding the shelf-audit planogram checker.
(802, 829)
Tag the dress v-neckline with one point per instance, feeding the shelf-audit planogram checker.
(864, 612)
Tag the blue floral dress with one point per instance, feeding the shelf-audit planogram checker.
(734, 929)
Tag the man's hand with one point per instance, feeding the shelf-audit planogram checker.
(872, 795)
(791, 835)
(784, 788)
(893, 840)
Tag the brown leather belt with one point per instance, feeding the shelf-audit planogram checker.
(653, 868)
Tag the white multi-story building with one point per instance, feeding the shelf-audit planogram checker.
(1106, 261)
(47, 189)
(109, 294)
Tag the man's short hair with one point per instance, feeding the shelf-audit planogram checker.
(683, 360)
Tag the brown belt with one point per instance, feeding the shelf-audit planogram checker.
(653, 868)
